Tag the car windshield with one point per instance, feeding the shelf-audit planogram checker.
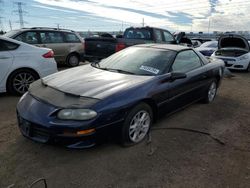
(11, 33)
(138, 61)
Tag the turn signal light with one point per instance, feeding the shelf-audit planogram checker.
(88, 131)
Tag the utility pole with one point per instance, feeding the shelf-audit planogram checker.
(208, 28)
(10, 25)
(1, 12)
(20, 12)
(1, 24)
(143, 22)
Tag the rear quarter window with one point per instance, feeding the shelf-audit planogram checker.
(6, 45)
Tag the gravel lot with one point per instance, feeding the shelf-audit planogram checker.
(174, 158)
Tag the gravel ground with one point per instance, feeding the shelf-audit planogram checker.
(174, 158)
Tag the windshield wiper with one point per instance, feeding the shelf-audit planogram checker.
(116, 70)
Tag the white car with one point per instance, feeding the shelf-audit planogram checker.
(234, 50)
(208, 48)
(21, 64)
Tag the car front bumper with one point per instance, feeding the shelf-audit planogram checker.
(234, 63)
(37, 121)
(44, 134)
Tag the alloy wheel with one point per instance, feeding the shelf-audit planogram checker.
(139, 126)
(22, 81)
(212, 92)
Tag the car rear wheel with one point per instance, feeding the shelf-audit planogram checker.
(137, 124)
(211, 92)
(73, 60)
(19, 81)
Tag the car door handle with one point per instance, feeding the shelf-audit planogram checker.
(4, 57)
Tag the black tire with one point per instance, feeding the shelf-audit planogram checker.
(19, 81)
(73, 60)
(211, 92)
(248, 68)
(127, 132)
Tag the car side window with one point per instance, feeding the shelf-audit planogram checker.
(51, 37)
(71, 38)
(158, 36)
(168, 36)
(6, 45)
(186, 61)
(29, 37)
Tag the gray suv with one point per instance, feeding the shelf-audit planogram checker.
(67, 45)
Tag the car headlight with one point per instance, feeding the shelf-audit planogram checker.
(244, 57)
(76, 114)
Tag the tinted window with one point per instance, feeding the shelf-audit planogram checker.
(137, 34)
(139, 61)
(158, 36)
(28, 37)
(186, 61)
(168, 36)
(71, 37)
(51, 37)
(6, 45)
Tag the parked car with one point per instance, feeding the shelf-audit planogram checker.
(202, 40)
(128, 90)
(208, 48)
(97, 48)
(196, 43)
(234, 50)
(67, 45)
(21, 64)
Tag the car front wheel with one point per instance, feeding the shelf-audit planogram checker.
(137, 124)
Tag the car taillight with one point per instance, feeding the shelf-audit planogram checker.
(119, 47)
(49, 54)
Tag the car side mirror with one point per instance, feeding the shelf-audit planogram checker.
(177, 75)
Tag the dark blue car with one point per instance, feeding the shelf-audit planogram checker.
(128, 90)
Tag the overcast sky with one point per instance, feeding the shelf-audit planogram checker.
(108, 15)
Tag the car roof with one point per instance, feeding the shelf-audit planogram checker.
(44, 29)
(173, 47)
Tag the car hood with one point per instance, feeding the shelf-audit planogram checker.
(233, 41)
(87, 81)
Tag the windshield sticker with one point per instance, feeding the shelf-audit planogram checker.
(149, 69)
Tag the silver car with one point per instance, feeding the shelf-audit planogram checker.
(67, 45)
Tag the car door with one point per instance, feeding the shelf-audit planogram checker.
(6, 58)
(168, 37)
(54, 40)
(183, 91)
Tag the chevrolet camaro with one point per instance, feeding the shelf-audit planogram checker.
(129, 91)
